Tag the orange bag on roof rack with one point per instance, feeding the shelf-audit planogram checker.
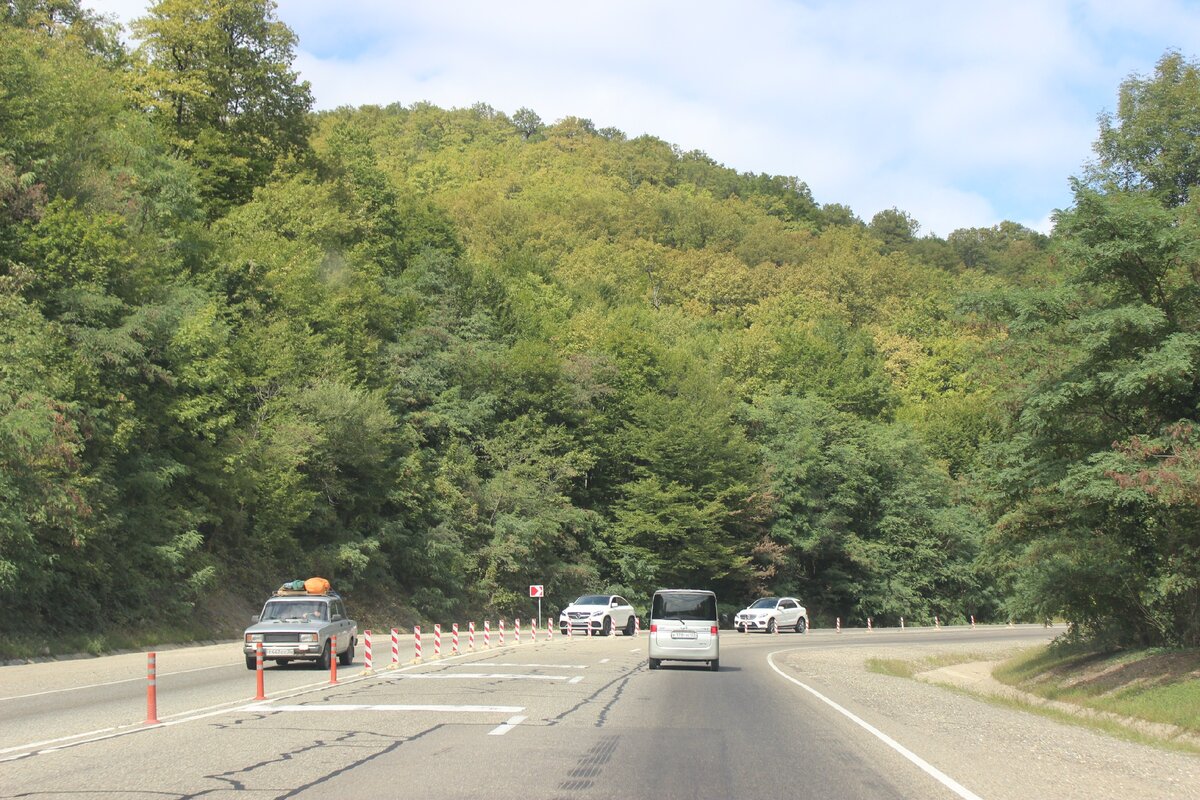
(316, 586)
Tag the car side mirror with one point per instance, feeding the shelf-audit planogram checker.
(337, 617)
(254, 619)
(613, 604)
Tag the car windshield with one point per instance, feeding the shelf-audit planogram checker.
(685, 606)
(287, 610)
(593, 600)
(766, 602)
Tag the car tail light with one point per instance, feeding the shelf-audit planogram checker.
(653, 627)
(713, 630)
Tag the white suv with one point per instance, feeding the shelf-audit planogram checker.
(771, 614)
(598, 614)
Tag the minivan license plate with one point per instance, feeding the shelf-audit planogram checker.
(683, 634)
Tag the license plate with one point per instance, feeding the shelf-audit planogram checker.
(278, 651)
(683, 634)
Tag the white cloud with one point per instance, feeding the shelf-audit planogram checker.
(962, 114)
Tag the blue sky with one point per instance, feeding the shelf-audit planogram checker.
(963, 114)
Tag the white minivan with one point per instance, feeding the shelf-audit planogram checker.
(683, 627)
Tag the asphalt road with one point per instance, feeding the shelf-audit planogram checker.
(582, 718)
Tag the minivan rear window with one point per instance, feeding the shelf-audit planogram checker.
(684, 606)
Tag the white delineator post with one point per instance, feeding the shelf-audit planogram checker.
(502, 633)
(869, 625)
(972, 622)
(517, 630)
(437, 640)
(366, 651)
(937, 622)
(487, 634)
(839, 624)
(902, 623)
(471, 635)
(549, 631)
(417, 641)
(637, 625)
(454, 638)
(395, 648)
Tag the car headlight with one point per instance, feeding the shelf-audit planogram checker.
(251, 638)
(308, 637)
(599, 613)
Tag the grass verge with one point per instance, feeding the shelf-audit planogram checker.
(1157, 686)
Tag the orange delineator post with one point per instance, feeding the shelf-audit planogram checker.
(151, 689)
(333, 658)
(258, 671)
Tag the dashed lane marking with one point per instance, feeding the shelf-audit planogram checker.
(500, 730)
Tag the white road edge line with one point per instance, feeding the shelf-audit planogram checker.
(576, 679)
(921, 763)
(383, 707)
(504, 728)
(112, 683)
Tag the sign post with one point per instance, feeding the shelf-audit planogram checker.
(537, 591)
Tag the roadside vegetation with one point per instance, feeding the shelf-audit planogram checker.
(437, 355)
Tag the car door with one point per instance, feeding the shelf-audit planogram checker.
(788, 611)
(621, 613)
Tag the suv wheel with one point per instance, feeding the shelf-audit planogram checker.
(801, 625)
(629, 627)
(771, 625)
(606, 628)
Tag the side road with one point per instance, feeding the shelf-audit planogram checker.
(976, 677)
(998, 752)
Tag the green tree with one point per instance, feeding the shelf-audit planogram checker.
(218, 76)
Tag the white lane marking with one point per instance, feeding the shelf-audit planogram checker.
(547, 666)
(500, 730)
(381, 707)
(924, 765)
(463, 676)
(576, 679)
(604, 661)
(111, 683)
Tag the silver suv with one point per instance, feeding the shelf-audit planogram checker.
(298, 626)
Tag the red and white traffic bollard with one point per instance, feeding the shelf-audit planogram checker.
(839, 624)
(517, 630)
(549, 631)
(454, 638)
(502, 633)
(487, 634)
(471, 635)
(417, 641)
(869, 625)
(533, 630)
(395, 648)
(151, 689)
(972, 622)
(333, 659)
(366, 651)
(437, 640)
(937, 622)
(637, 626)
(902, 623)
(260, 693)
(570, 629)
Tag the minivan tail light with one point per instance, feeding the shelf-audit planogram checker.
(713, 630)
(654, 627)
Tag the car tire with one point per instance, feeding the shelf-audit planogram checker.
(801, 625)
(655, 663)
(323, 661)
(251, 662)
(563, 629)
(607, 627)
(347, 658)
(771, 625)
(715, 664)
(629, 626)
